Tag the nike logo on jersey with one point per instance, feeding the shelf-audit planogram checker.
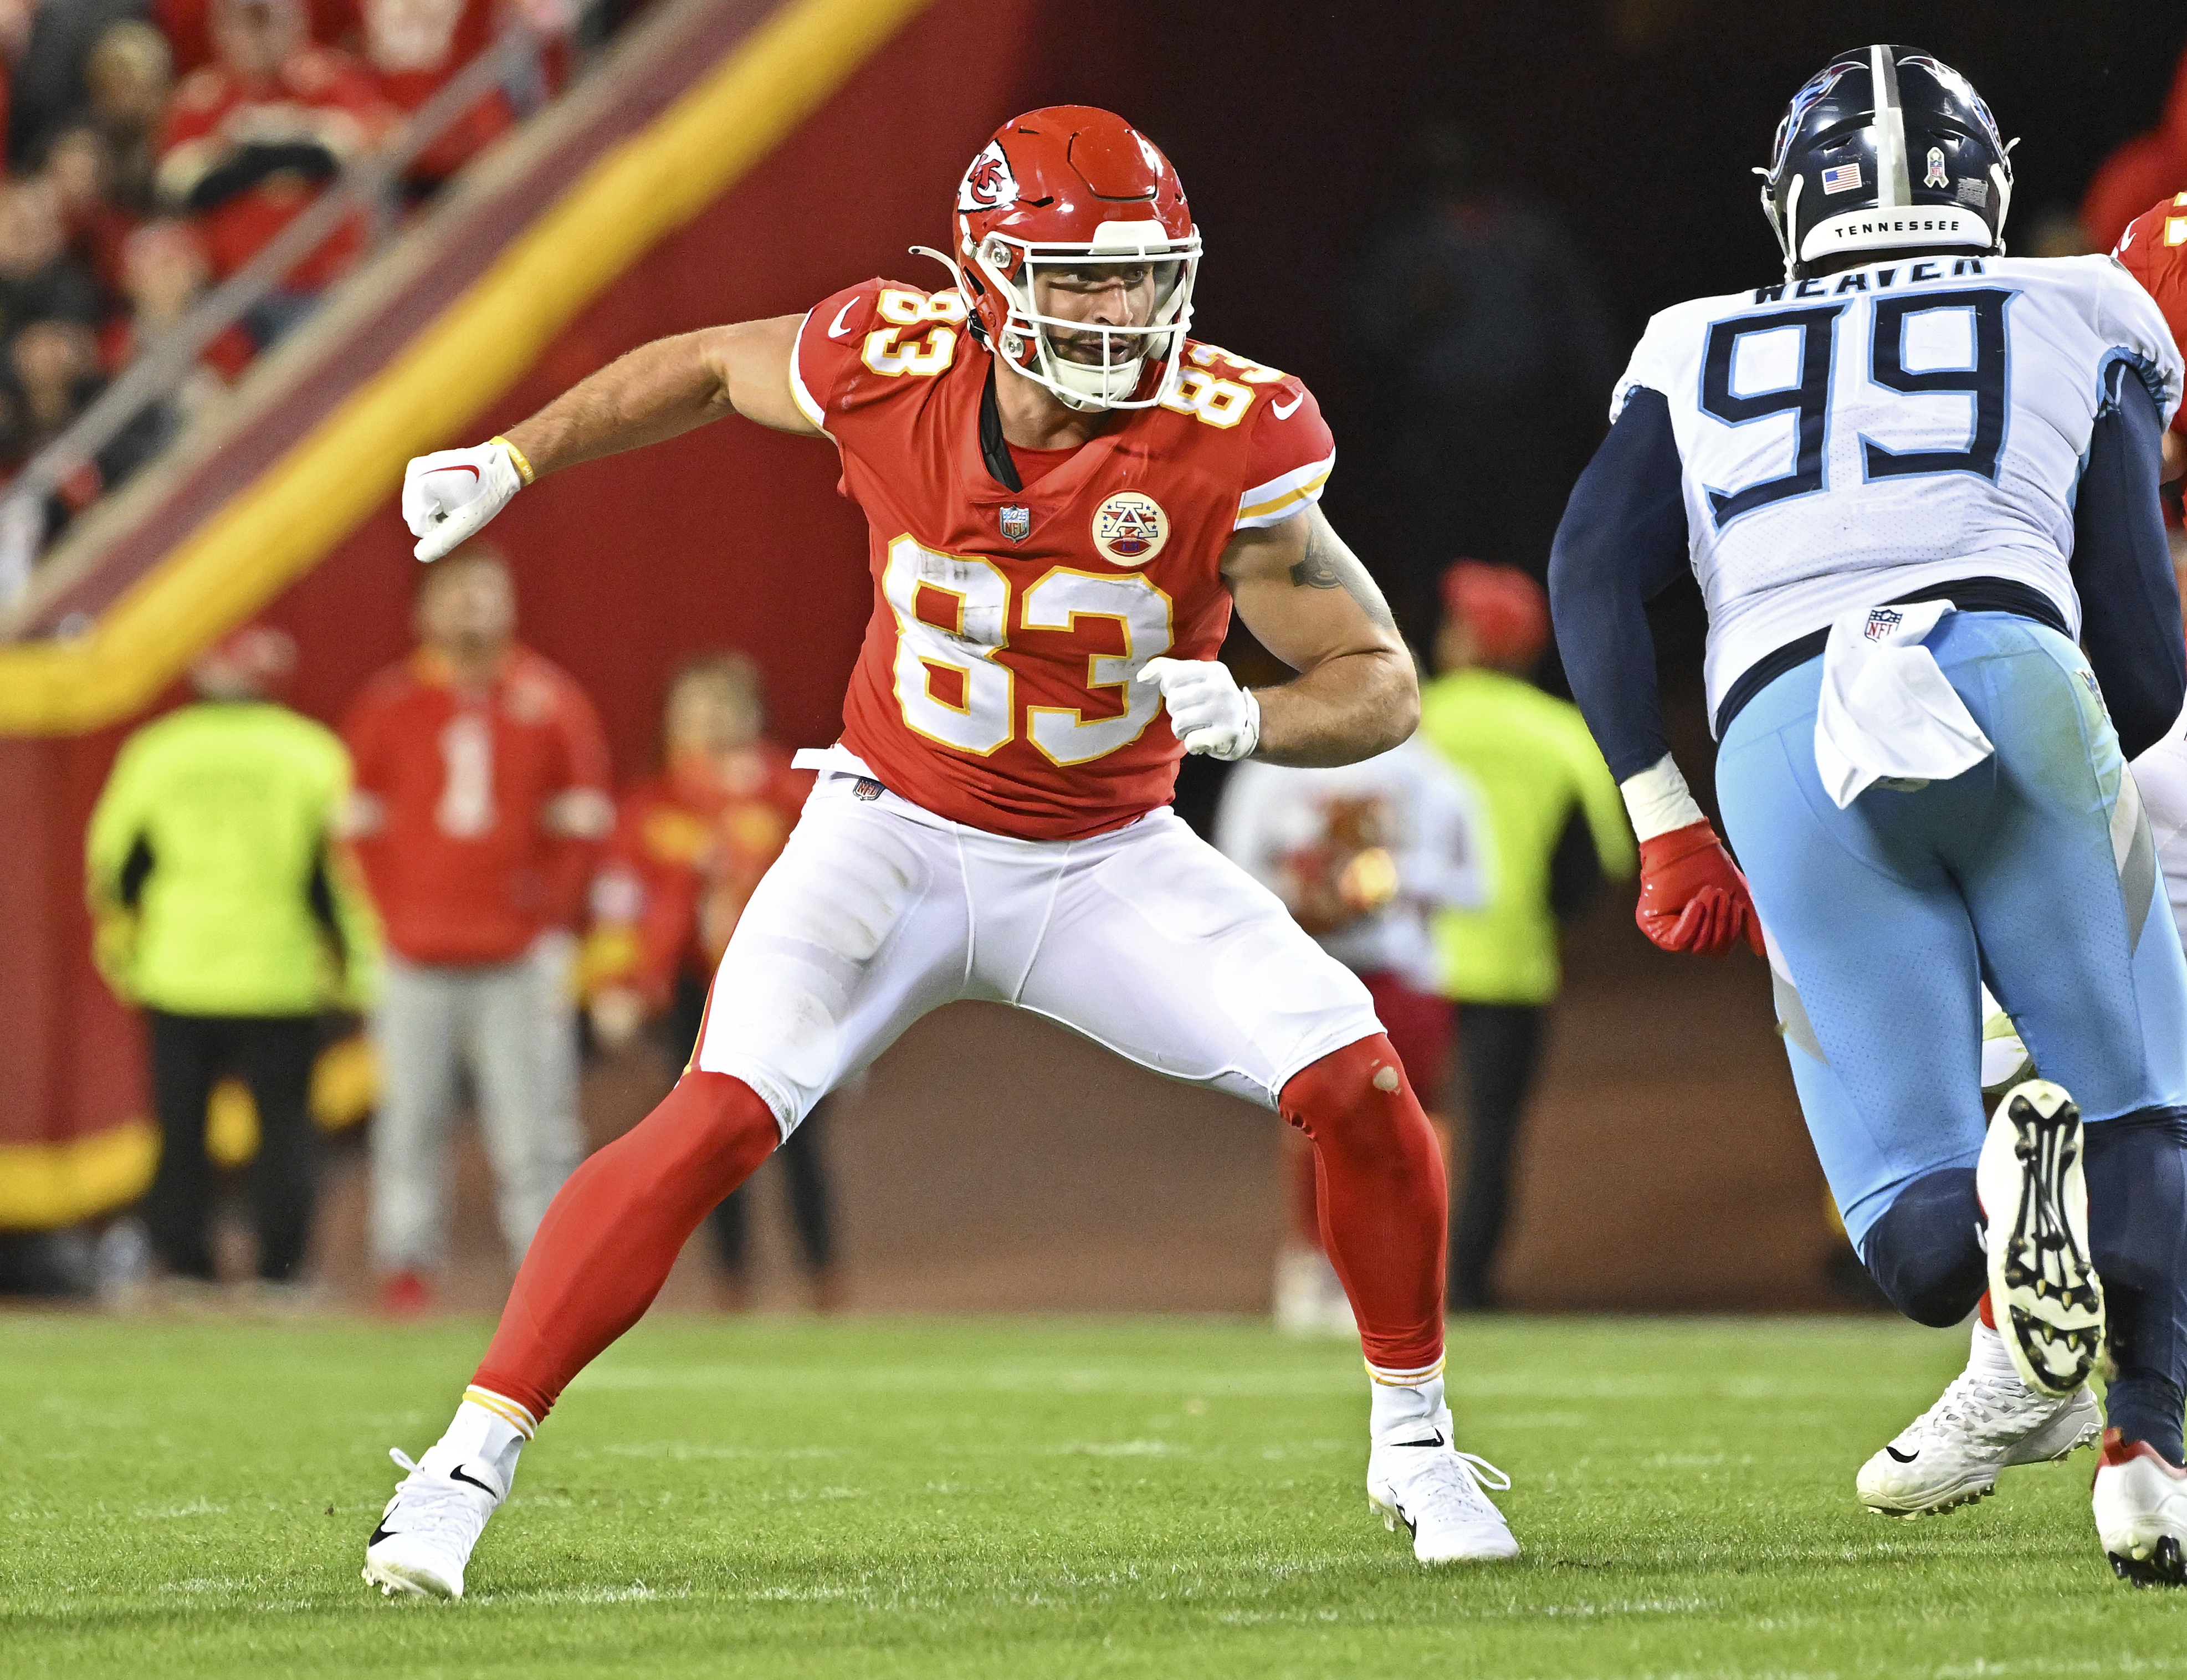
(2127, 238)
(1284, 411)
(1903, 1457)
(457, 1474)
(838, 329)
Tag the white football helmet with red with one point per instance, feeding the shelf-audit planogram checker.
(1071, 188)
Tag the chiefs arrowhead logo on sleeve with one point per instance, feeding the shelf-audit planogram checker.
(989, 183)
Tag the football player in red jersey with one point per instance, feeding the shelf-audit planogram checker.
(1067, 495)
(2154, 251)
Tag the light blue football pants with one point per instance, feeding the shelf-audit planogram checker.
(2034, 871)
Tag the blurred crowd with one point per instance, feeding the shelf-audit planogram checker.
(152, 148)
(453, 867)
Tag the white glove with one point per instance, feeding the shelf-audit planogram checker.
(1210, 712)
(447, 496)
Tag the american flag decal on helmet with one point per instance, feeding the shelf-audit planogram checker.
(1845, 177)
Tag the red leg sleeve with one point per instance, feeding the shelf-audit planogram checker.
(611, 1233)
(1385, 1201)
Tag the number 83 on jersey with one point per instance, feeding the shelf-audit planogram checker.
(952, 615)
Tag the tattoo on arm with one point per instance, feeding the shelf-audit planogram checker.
(1328, 564)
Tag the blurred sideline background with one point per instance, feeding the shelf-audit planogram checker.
(989, 1161)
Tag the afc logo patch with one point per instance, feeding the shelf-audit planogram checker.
(1129, 529)
(1016, 523)
(989, 183)
(1882, 622)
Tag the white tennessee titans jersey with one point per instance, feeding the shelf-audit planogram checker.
(1847, 440)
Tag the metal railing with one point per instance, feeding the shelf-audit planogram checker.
(369, 185)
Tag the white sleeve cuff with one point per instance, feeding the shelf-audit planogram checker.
(1658, 801)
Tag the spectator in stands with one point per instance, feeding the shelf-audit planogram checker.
(1363, 856)
(129, 78)
(224, 908)
(1556, 827)
(46, 84)
(163, 274)
(1473, 321)
(481, 798)
(77, 173)
(39, 281)
(252, 139)
(416, 50)
(690, 844)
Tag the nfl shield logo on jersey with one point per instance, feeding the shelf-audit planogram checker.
(1129, 529)
(1882, 622)
(1017, 523)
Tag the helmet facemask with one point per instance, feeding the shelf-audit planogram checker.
(1086, 364)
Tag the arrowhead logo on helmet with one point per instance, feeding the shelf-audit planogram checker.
(1076, 249)
(989, 183)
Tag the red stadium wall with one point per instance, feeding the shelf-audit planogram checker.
(732, 537)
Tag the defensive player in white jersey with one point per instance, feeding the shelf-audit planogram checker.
(1066, 495)
(1909, 478)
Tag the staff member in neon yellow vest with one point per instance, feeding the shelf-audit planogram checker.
(222, 906)
(1557, 827)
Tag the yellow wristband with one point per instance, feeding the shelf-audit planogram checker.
(523, 467)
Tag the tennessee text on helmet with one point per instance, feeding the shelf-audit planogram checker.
(1885, 148)
(1073, 196)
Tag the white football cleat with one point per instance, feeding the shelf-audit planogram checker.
(429, 1527)
(2141, 1512)
(1987, 1420)
(2043, 1291)
(1437, 1492)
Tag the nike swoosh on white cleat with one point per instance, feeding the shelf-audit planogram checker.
(836, 331)
(1285, 411)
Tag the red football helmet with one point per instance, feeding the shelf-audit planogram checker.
(1069, 190)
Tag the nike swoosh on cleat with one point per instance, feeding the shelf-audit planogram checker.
(1432, 1441)
(383, 1532)
(1903, 1457)
(457, 1474)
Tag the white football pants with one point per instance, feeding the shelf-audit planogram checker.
(1145, 939)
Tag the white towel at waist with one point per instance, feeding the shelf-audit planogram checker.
(1887, 710)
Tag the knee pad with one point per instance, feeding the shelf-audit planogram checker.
(1925, 1252)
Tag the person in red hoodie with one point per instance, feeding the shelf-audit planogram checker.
(481, 798)
(251, 140)
(690, 844)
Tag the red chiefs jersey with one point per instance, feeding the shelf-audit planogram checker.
(994, 685)
(689, 846)
(478, 813)
(2154, 249)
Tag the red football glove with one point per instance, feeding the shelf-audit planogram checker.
(1692, 896)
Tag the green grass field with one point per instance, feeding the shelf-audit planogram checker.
(1038, 1497)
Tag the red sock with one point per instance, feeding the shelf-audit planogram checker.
(1384, 1200)
(1983, 1307)
(609, 1236)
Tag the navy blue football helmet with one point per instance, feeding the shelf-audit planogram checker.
(1885, 148)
